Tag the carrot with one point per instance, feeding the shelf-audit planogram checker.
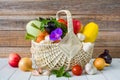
(41, 36)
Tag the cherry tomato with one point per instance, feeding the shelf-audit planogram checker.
(77, 70)
(63, 21)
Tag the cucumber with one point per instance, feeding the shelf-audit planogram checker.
(33, 28)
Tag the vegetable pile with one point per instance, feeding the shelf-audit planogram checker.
(50, 30)
(43, 30)
(102, 61)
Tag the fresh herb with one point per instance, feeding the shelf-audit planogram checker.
(45, 22)
(61, 72)
(64, 29)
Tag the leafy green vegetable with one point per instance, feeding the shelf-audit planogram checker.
(64, 29)
(61, 72)
(54, 71)
(66, 74)
(29, 37)
(57, 24)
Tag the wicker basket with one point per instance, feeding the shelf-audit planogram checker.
(68, 52)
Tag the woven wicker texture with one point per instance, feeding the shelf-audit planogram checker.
(68, 52)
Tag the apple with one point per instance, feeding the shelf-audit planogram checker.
(14, 59)
(77, 26)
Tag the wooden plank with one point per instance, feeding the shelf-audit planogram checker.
(39, 78)
(113, 51)
(106, 36)
(22, 51)
(50, 7)
(53, 77)
(7, 72)
(25, 51)
(3, 63)
(22, 0)
(82, 77)
(20, 75)
(109, 73)
(107, 39)
(13, 38)
(113, 71)
(6, 24)
(105, 22)
(97, 76)
(17, 38)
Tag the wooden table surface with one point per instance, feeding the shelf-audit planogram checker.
(8, 73)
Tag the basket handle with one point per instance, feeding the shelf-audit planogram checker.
(69, 19)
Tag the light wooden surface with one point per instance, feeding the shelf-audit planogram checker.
(109, 73)
(14, 15)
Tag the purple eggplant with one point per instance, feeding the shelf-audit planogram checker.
(106, 56)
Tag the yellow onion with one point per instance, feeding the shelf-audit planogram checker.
(100, 63)
(25, 64)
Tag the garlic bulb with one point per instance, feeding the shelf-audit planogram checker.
(46, 73)
(47, 38)
(81, 36)
(87, 46)
(90, 68)
(40, 70)
(35, 73)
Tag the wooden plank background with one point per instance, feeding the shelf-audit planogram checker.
(14, 14)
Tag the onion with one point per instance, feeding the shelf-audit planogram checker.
(100, 63)
(106, 56)
(25, 64)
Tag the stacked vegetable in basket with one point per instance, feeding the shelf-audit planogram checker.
(44, 30)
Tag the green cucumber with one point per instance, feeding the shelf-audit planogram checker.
(33, 28)
(29, 37)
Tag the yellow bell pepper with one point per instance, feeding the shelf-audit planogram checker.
(91, 32)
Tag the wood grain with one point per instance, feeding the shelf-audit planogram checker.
(25, 51)
(15, 14)
(105, 22)
(17, 38)
(51, 6)
(109, 73)
(22, 51)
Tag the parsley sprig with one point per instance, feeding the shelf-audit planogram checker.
(61, 72)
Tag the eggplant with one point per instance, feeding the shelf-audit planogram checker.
(106, 56)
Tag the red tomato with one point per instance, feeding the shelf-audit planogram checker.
(63, 21)
(77, 70)
(77, 25)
